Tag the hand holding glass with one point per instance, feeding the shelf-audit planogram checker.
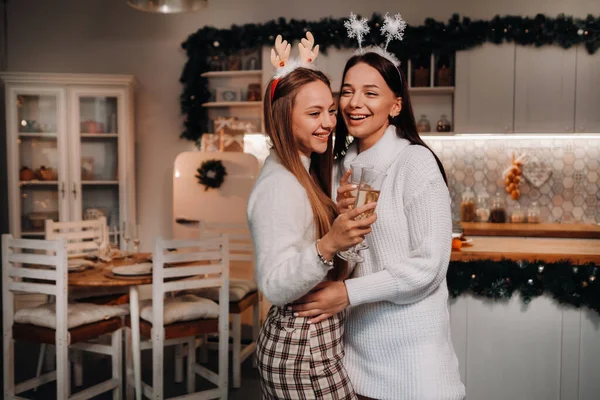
(369, 189)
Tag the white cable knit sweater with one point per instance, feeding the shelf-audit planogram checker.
(282, 226)
(397, 337)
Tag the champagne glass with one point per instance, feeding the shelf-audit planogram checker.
(357, 169)
(113, 236)
(369, 189)
(99, 240)
(135, 238)
(126, 238)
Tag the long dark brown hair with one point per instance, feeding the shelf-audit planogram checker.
(406, 127)
(316, 182)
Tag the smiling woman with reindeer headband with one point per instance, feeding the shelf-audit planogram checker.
(397, 338)
(297, 231)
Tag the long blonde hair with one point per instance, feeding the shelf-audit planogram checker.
(317, 181)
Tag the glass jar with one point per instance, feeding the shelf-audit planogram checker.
(423, 124)
(517, 216)
(482, 210)
(467, 206)
(443, 125)
(534, 213)
(498, 210)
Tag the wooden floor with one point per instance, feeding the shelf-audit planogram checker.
(97, 368)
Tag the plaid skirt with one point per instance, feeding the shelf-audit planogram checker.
(297, 360)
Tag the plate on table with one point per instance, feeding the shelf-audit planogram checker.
(133, 270)
(466, 242)
(78, 264)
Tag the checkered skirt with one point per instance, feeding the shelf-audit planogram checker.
(298, 360)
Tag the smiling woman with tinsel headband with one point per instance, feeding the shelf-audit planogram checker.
(397, 338)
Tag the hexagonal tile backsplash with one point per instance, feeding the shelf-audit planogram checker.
(571, 194)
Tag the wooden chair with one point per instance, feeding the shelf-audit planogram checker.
(243, 293)
(40, 266)
(82, 238)
(178, 266)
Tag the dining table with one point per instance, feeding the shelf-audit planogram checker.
(101, 275)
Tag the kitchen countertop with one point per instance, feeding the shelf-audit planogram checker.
(579, 251)
(572, 231)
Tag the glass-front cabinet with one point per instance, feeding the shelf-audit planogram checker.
(70, 149)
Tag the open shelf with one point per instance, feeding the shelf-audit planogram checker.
(38, 135)
(231, 74)
(100, 183)
(36, 182)
(99, 135)
(215, 104)
(432, 90)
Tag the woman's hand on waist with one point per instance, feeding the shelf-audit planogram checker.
(326, 299)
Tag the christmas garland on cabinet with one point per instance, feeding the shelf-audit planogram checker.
(565, 282)
(432, 37)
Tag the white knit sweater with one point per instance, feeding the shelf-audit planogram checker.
(282, 226)
(397, 339)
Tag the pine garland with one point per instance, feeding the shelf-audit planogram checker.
(565, 282)
(432, 37)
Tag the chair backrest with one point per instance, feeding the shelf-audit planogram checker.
(182, 265)
(241, 247)
(34, 266)
(82, 237)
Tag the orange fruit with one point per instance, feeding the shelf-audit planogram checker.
(456, 244)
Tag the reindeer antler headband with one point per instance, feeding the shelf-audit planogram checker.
(392, 28)
(280, 57)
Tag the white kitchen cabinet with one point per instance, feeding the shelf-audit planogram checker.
(587, 96)
(539, 351)
(81, 129)
(544, 89)
(484, 94)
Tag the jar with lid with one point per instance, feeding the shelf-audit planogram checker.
(423, 124)
(498, 210)
(444, 125)
(482, 210)
(517, 216)
(467, 206)
(534, 213)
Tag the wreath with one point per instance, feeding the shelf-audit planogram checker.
(211, 174)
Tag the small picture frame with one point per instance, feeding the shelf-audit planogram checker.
(87, 168)
(228, 94)
(251, 59)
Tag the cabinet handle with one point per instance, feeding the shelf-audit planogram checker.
(75, 190)
(62, 189)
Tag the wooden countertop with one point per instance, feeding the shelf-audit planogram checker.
(579, 251)
(571, 231)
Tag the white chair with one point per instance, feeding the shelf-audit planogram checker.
(82, 238)
(40, 266)
(181, 265)
(243, 293)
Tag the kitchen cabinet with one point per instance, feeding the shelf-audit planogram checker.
(544, 89)
(484, 96)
